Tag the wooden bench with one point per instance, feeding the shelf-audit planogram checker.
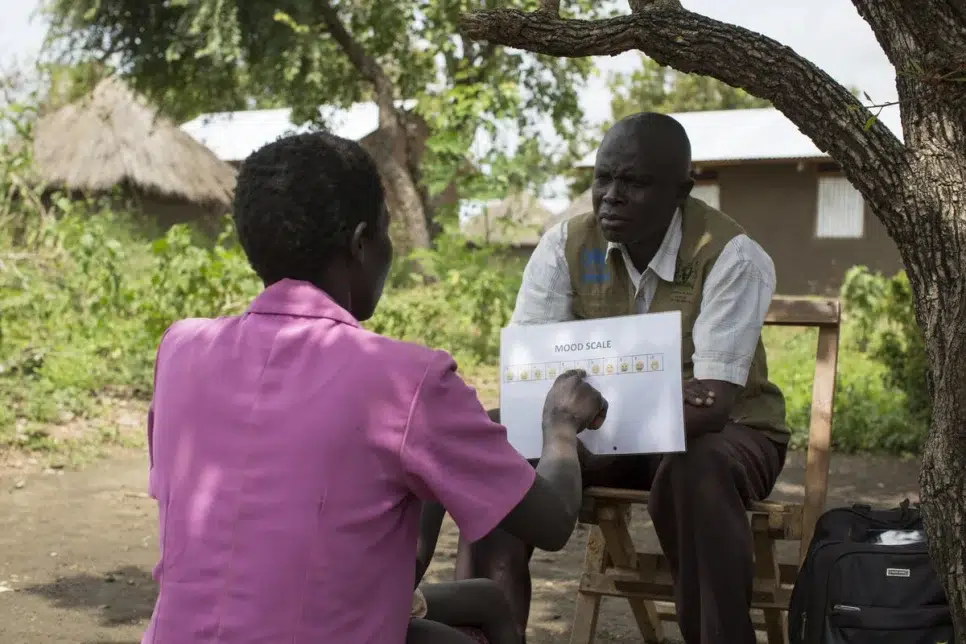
(613, 567)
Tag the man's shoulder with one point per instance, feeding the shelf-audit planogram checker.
(553, 236)
(712, 217)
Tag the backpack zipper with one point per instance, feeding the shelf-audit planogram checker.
(846, 608)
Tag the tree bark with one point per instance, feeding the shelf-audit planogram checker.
(917, 188)
(392, 159)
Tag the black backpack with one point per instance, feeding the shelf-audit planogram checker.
(867, 578)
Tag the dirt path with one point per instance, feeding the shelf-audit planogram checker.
(77, 547)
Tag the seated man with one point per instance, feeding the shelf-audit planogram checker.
(649, 247)
(290, 449)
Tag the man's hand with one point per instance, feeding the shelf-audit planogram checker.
(573, 404)
(697, 394)
(707, 405)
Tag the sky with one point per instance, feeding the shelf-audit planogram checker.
(830, 33)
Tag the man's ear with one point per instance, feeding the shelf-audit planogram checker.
(357, 245)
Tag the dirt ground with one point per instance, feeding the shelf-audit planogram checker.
(77, 548)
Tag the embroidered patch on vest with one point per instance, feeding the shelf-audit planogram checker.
(593, 266)
(684, 274)
(682, 289)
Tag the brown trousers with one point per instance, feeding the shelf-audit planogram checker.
(698, 505)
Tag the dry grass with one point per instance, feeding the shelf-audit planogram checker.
(113, 137)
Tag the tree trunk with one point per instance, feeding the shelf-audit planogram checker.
(391, 158)
(932, 250)
(928, 224)
(916, 188)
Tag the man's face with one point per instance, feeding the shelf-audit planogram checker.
(636, 189)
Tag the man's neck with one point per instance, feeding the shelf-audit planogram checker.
(642, 252)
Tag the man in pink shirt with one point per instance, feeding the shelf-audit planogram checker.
(291, 449)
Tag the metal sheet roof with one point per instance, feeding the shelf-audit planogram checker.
(749, 135)
(232, 136)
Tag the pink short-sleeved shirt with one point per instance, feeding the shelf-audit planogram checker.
(289, 451)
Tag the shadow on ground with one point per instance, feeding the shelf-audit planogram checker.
(99, 520)
(123, 596)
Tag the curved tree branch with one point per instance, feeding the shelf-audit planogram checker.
(822, 108)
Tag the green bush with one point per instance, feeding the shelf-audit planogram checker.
(881, 312)
(463, 307)
(82, 307)
(869, 415)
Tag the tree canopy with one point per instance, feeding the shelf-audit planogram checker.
(221, 55)
(657, 88)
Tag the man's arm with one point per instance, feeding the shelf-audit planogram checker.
(545, 293)
(735, 300)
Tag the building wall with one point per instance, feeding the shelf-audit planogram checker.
(776, 204)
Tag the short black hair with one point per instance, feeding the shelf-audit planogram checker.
(298, 201)
(664, 133)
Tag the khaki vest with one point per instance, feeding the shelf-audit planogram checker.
(602, 288)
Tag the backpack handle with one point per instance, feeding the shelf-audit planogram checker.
(902, 517)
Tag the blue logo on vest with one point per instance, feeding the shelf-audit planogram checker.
(594, 266)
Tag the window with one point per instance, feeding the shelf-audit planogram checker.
(840, 213)
(708, 193)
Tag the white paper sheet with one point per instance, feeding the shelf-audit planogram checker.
(634, 361)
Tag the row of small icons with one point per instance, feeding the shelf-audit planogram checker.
(602, 367)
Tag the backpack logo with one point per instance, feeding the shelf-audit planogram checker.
(593, 266)
(897, 572)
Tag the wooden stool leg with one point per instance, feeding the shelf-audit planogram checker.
(588, 606)
(615, 525)
(769, 579)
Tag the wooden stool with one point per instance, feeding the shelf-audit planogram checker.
(612, 565)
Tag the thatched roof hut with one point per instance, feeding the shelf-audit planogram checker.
(517, 220)
(114, 138)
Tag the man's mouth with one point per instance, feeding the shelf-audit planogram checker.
(612, 221)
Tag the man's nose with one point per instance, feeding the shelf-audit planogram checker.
(613, 194)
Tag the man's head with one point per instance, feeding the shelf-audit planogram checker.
(311, 207)
(642, 176)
